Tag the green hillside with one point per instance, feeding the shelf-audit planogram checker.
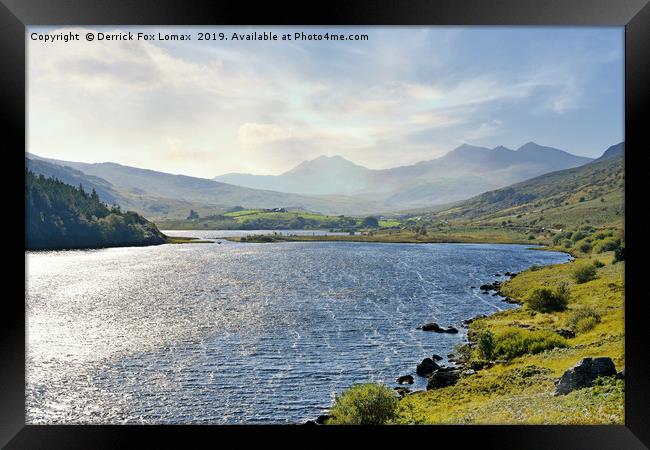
(61, 216)
(592, 194)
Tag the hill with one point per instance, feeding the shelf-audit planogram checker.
(590, 194)
(161, 195)
(61, 216)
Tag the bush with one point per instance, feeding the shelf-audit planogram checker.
(598, 264)
(583, 273)
(607, 245)
(584, 247)
(486, 345)
(583, 319)
(516, 342)
(364, 404)
(619, 254)
(546, 300)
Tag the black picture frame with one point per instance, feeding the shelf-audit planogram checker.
(634, 15)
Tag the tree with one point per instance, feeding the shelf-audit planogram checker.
(370, 222)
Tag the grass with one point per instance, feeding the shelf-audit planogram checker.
(185, 240)
(493, 235)
(521, 390)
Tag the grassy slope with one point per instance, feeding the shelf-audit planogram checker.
(505, 393)
(592, 193)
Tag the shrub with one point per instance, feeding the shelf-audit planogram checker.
(583, 273)
(486, 345)
(546, 300)
(364, 404)
(619, 254)
(607, 245)
(516, 342)
(598, 264)
(583, 319)
(584, 247)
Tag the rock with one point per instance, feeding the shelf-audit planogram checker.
(431, 327)
(484, 292)
(442, 378)
(478, 365)
(495, 294)
(507, 274)
(437, 328)
(322, 419)
(468, 372)
(472, 287)
(405, 379)
(497, 274)
(310, 422)
(510, 300)
(436, 357)
(566, 334)
(584, 373)
(487, 287)
(402, 391)
(426, 367)
(621, 374)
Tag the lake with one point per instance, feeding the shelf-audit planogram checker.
(243, 333)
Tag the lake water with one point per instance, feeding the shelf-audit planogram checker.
(243, 333)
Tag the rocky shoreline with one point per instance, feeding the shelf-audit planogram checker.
(439, 376)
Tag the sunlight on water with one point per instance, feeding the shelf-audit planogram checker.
(242, 333)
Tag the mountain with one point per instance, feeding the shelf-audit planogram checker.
(592, 193)
(613, 151)
(325, 175)
(164, 195)
(62, 216)
(465, 171)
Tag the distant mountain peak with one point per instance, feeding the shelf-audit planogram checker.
(501, 148)
(530, 146)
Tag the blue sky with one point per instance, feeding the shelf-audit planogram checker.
(405, 95)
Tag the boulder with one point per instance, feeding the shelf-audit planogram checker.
(487, 287)
(442, 378)
(402, 391)
(320, 420)
(405, 379)
(497, 274)
(621, 374)
(468, 372)
(431, 327)
(426, 367)
(310, 422)
(436, 357)
(584, 373)
(565, 333)
(437, 328)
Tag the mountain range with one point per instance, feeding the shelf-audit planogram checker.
(465, 171)
(329, 185)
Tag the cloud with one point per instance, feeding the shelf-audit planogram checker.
(404, 95)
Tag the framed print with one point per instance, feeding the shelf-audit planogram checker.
(420, 220)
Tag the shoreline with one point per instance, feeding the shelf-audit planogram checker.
(454, 359)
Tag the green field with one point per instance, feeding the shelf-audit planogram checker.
(261, 219)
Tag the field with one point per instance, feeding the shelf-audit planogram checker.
(265, 219)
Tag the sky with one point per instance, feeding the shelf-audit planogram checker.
(406, 94)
